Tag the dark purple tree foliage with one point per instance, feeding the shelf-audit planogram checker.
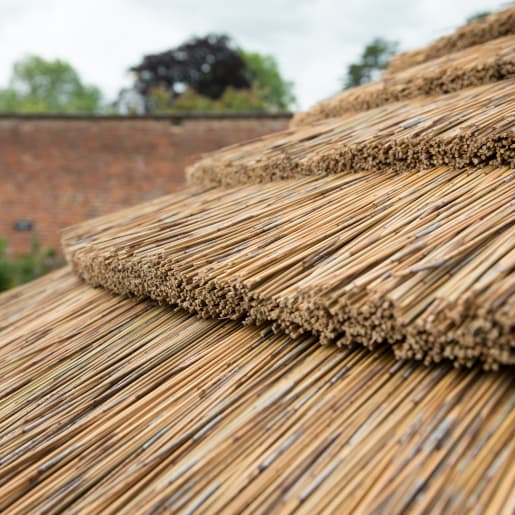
(208, 64)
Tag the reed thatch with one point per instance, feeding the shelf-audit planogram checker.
(476, 32)
(475, 66)
(473, 126)
(112, 406)
(424, 261)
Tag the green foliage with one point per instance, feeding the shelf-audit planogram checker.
(240, 81)
(159, 101)
(20, 270)
(40, 86)
(5, 269)
(264, 74)
(374, 58)
(479, 16)
(233, 100)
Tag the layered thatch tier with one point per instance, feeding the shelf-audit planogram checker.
(424, 261)
(470, 127)
(111, 406)
(490, 62)
(476, 32)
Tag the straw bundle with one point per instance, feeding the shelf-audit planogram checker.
(470, 127)
(424, 261)
(473, 33)
(110, 406)
(490, 62)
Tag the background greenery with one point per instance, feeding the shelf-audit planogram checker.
(206, 73)
(22, 269)
(41, 86)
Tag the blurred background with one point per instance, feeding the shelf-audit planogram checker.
(103, 104)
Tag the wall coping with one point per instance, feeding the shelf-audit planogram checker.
(175, 117)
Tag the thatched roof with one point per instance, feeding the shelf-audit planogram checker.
(473, 126)
(423, 261)
(467, 68)
(479, 31)
(114, 406)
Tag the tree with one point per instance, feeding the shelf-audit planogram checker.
(208, 65)
(478, 16)
(233, 100)
(210, 73)
(263, 72)
(41, 86)
(374, 58)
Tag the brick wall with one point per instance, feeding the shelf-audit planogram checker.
(58, 171)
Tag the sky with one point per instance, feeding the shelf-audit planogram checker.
(313, 40)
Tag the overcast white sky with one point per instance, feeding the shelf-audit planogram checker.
(313, 40)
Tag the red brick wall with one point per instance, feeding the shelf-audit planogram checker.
(58, 171)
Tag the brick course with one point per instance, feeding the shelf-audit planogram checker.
(57, 171)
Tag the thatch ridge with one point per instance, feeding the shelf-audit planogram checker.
(475, 66)
(463, 129)
(422, 261)
(114, 406)
(476, 32)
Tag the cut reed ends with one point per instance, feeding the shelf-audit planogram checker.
(424, 261)
(476, 32)
(112, 406)
(471, 127)
(475, 66)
